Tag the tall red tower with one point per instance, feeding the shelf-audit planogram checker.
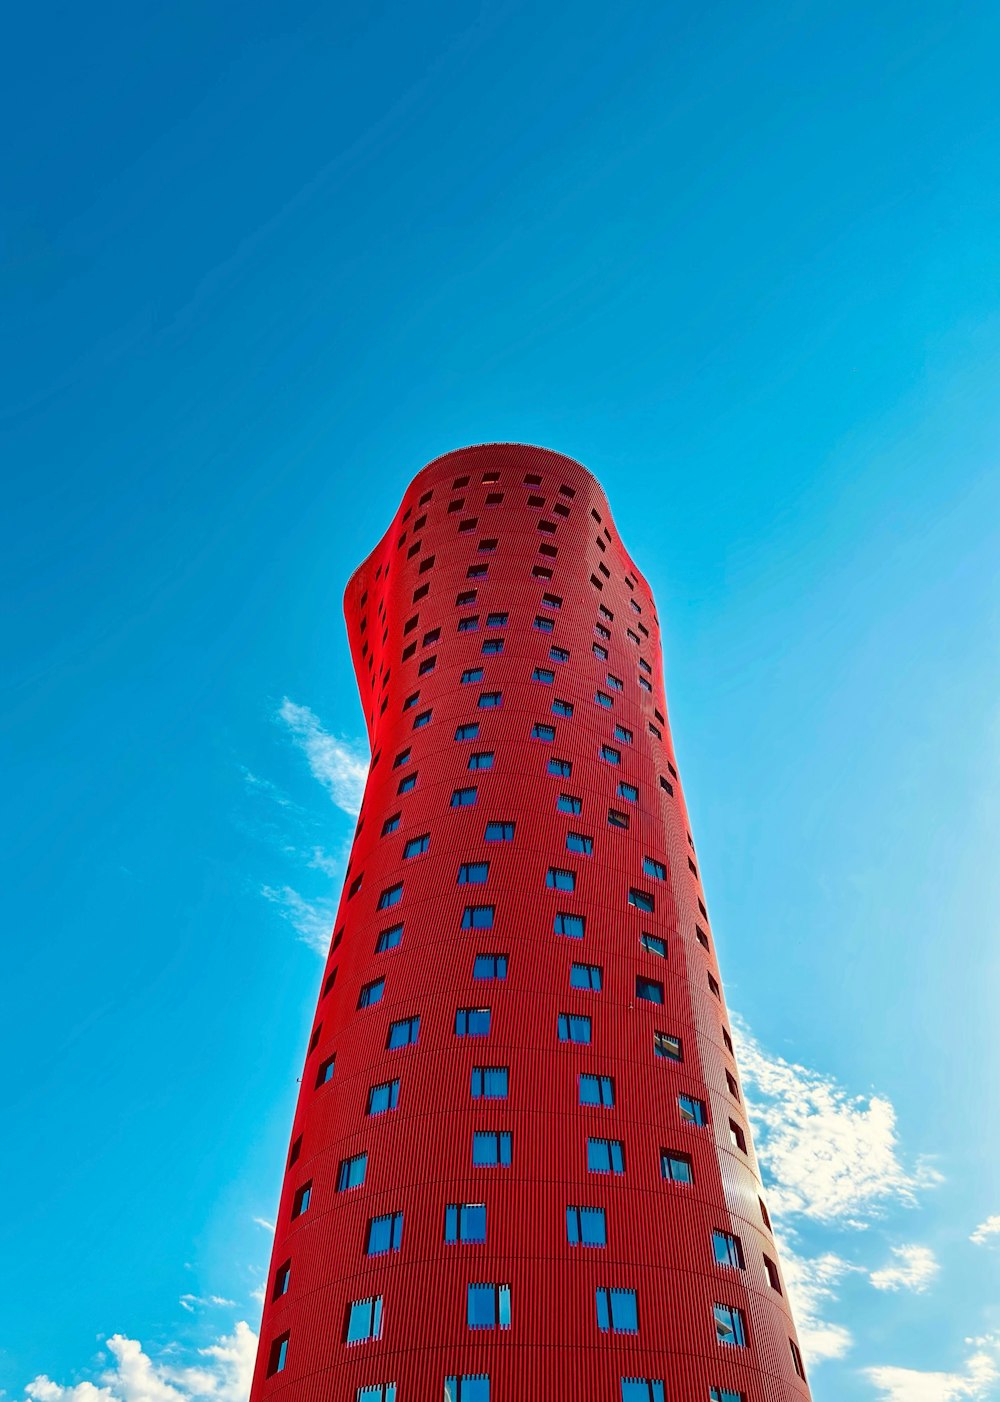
(520, 1168)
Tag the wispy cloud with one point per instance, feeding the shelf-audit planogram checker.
(831, 1156)
(976, 1380)
(222, 1373)
(312, 919)
(193, 1302)
(986, 1231)
(911, 1268)
(264, 1223)
(811, 1290)
(341, 766)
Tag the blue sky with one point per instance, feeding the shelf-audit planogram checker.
(259, 264)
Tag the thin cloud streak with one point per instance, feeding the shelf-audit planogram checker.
(341, 766)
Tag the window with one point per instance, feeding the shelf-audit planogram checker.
(278, 1355)
(467, 732)
(597, 1090)
(558, 654)
(599, 651)
(572, 926)
(470, 1387)
(579, 842)
(675, 1166)
(606, 613)
(468, 596)
(623, 734)
(282, 1277)
(499, 832)
(560, 768)
(472, 1022)
(489, 1082)
(605, 1156)
(648, 990)
(734, 1089)
(302, 1199)
(629, 792)
(423, 719)
(651, 867)
(477, 571)
(295, 1151)
(692, 1111)
(473, 873)
(472, 674)
(559, 879)
(764, 1214)
(603, 699)
(543, 674)
(388, 939)
(725, 1394)
(489, 1307)
(667, 786)
(562, 708)
(701, 937)
(615, 683)
(643, 1390)
(773, 1278)
(385, 1234)
(463, 798)
(465, 1221)
(645, 684)
(664, 1044)
(585, 976)
(416, 845)
(324, 1072)
(489, 700)
(402, 758)
(468, 624)
(654, 944)
(377, 1392)
(482, 760)
(371, 993)
(727, 1250)
(568, 803)
(497, 620)
(391, 824)
(490, 966)
(383, 1097)
(729, 1326)
(611, 755)
(405, 785)
(797, 1359)
(351, 1173)
(355, 886)
(403, 1033)
(478, 917)
(543, 625)
(602, 632)
(364, 1320)
(490, 1149)
(492, 646)
(392, 895)
(713, 986)
(551, 601)
(616, 819)
(642, 900)
(574, 1028)
(617, 1311)
(428, 665)
(543, 732)
(737, 1136)
(585, 1226)
(487, 545)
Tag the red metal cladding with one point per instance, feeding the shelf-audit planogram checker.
(520, 1166)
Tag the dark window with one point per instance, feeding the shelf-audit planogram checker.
(773, 1278)
(562, 708)
(676, 1166)
(371, 993)
(282, 1277)
(405, 785)
(797, 1359)
(390, 824)
(416, 845)
(492, 646)
(467, 732)
(324, 1072)
(544, 625)
(648, 990)
(388, 939)
(302, 1199)
(558, 654)
(737, 1136)
(651, 867)
(278, 1355)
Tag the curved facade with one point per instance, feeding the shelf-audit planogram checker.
(520, 1165)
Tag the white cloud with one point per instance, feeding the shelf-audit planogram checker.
(976, 1380)
(312, 919)
(341, 766)
(830, 1156)
(912, 1268)
(263, 1222)
(223, 1376)
(985, 1232)
(810, 1285)
(193, 1302)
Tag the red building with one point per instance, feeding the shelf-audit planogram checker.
(520, 1168)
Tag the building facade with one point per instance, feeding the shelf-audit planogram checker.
(520, 1167)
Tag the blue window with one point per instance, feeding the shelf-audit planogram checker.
(478, 917)
(391, 896)
(482, 760)
(490, 700)
(423, 719)
(377, 1392)
(470, 1387)
(403, 1033)
(302, 1199)
(585, 976)
(388, 939)
(402, 758)
(615, 683)
(562, 708)
(497, 620)
(467, 732)
(645, 684)
(489, 966)
(579, 842)
(468, 624)
(489, 1082)
(492, 646)
(416, 845)
(617, 1311)
(364, 1320)
(651, 867)
(628, 791)
(560, 768)
(727, 1250)
(543, 732)
(611, 755)
(405, 785)
(371, 993)
(282, 1280)
(648, 990)
(385, 1233)
(463, 798)
(692, 1111)
(559, 879)
(675, 1166)
(643, 1390)
(642, 900)
(571, 925)
(574, 1028)
(499, 832)
(729, 1325)
(491, 1150)
(278, 1356)
(559, 654)
(551, 601)
(542, 674)
(603, 699)
(568, 803)
(472, 1022)
(616, 819)
(599, 651)
(654, 944)
(725, 1394)
(665, 1044)
(325, 1071)
(543, 625)
(465, 1221)
(623, 734)
(391, 824)
(383, 1097)
(585, 1226)
(473, 873)
(351, 1173)
(472, 674)
(488, 1307)
(605, 1156)
(597, 1090)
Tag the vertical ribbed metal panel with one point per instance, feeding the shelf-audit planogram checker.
(659, 1233)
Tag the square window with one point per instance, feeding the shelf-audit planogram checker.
(568, 803)
(562, 708)
(560, 768)
(572, 1027)
(490, 966)
(403, 1033)
(579, 842)
(491, 1149)
(675, 1166)
(654, 944)
(617, 819)
(364, 1320)
(377, 1392)
(405, 785)
(489, 1082)
(383, 1097)
(667, 1045)
(470, 1387)
(385, 1234)
(596, 1090)
(492, 646)
(603, 699)
(472, 1022)
(573, 926)
(610, 755)
(617, 1311)
(729, 1326)
(489, 700)
(586, 1226)
(651, 867)
(647, 990)
(692, 1111)
(391, 896)
(544, 625)
(371, 993)
(629, 792)
(727, 1250)
(643, 1390)
(388, 939)
(605, 1156)
(465, 1221)
(351, 1173)
(642, 900)
(391, 824)
(559, 879)
(585, 976)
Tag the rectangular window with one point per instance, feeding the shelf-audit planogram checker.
(482, 760)
(597, 1090)
(651, 867)
(573, 926)
(468, 596)
(692, 1111)
(492, 646)
(463, 798)
(497, 620)
(654, 944)
(551, 601)
(490, 700)
(282, 1279)
(615, 683)
(388, 939)
(302, 1199)
(629, 792)
(405, 785)
(560, 768)
(325, 1070)
(468, 624)
(579, 842)
(645, 684)
(568, 803)
(797, 1363)
(611, 755)
(490, 966)
(391, 896)
(727, 1250)
(599, 651)
(623, 734)
(371, 993)
(725, 1394)
(364, 1320)
(465, 1221)
(403, 1033)
(423, 719)
(490, 1149)
(489, 1082)
(470, 1387)
(666, 1045)
(472, 1022)
(559, 879)
(603, 699)
(477, 571)
(773, 1278)
(472, 674)
(416, 845)
(351, 1173)
(642, 900)
(278, 1355)
(675, 1166)
(617, 1311)
(605, 1156)
(562, 708)
(585, 976)
(586, 1226)
(391, 824)
(467, 732)
(499, 832)
(385, 1234)
(377, 1392)
(383, 1097)
(473, 873)
(643, 1390)
(428, 665)
(488, 1307)
(648, 990)
(543, 732)
(729, 1326)
(542, 674)
(558, 654)
(478, 917)
(737, 1136)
